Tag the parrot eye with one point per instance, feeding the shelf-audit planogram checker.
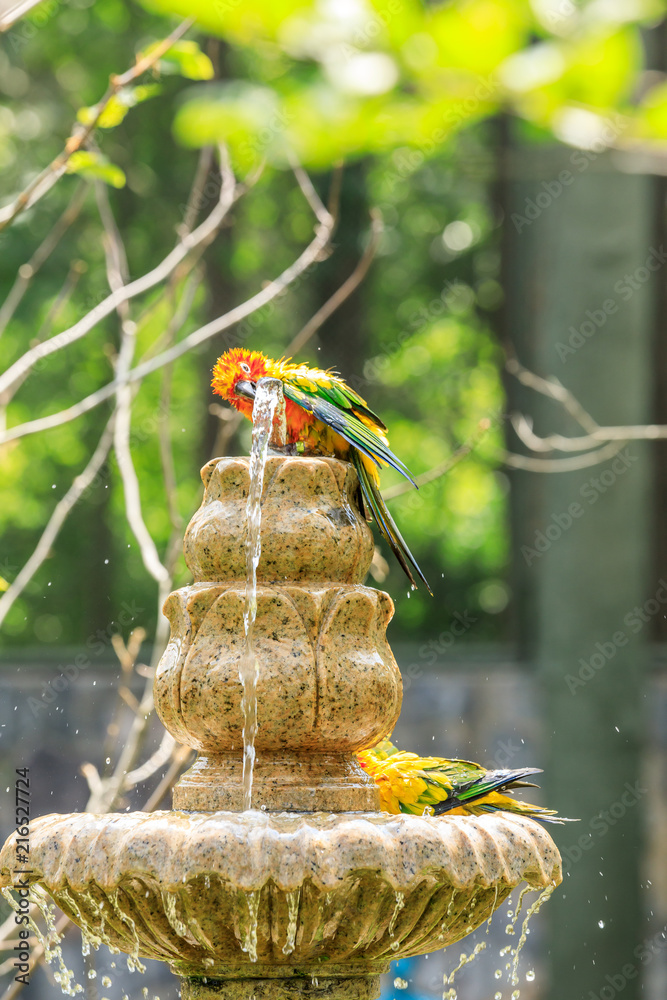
(244, 367)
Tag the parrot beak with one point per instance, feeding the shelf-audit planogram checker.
(246, 389)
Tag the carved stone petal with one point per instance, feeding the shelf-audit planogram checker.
(328, 681)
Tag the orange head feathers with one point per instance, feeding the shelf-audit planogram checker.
(237, 366)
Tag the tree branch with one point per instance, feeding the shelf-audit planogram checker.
(595, 434)
(345, 290)
(271, 291)
(228, 195)
(28, 271)
(48, 177)
(57, 519)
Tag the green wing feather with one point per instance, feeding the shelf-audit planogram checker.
(345, 423)
(337, 406)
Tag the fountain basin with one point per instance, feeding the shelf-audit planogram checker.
(263, 895)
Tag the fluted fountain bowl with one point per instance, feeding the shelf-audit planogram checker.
(247, 896)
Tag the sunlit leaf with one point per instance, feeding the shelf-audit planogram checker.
(118, 105)
(184, 58)
(95, 166)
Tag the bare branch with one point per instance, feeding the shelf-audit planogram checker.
(440, 470)
(593, 439)
(271, 291)
(228, 194)
(204, 165)
(321, 213)
(28, 271)
(345, 290)
(77, 268)
(57, 519)
(48, 177)
(554, 390)
(181, 756)
(561, 464)
(153, 764)
(117, 270)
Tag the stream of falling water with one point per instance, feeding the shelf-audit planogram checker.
(512, 966)
(266, 401)
(249, 942)
(293, 898)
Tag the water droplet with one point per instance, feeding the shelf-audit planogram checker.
(600, 924)
(395, 945)
(530, 975)
(509, 929)
(106, 981)
(400, 984)
(516, 994)
(497, 996)
(497, 974)
(92, 974)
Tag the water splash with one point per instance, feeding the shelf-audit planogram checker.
(398, 906)
(514, 914)
(533, 908)
(50, 940)
(249, 942)
(292, 914)
(451, 993)
(170, 899)
(133, 961)
(266, 401)
(493, 910)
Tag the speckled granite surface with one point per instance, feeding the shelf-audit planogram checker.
(317, 894)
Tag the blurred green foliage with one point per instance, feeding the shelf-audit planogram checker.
(408, 94)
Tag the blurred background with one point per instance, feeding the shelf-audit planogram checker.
(497, 173)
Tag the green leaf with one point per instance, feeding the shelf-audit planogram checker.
(248, 118)
(95, 166)
(118, 105)
(184, 58)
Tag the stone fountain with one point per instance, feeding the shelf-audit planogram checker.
(314, 891)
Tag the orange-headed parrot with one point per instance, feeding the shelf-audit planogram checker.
(324, 416)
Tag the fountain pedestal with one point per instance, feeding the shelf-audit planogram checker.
(314, 891)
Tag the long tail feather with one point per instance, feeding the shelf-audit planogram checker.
(385, 522)
(491, 781)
